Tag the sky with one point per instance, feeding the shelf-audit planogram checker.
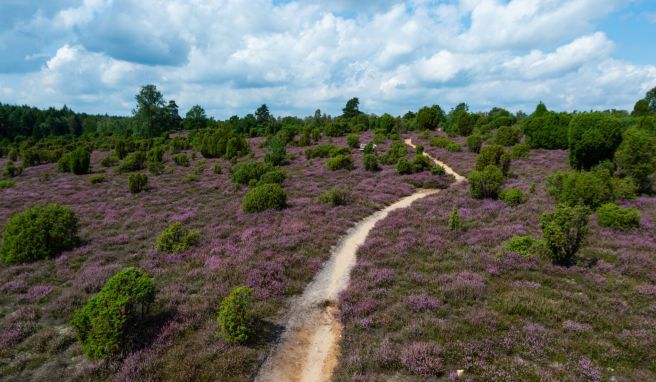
(230, 56)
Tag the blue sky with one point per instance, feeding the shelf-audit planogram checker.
(230, 56)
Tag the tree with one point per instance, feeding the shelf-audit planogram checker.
(430, 118)
(351, 110)
(593, 138)
(641, 108)
(636, 157)
(277, 153)
(150, 111)
(172, 120)
(541, 109)
(650, 97)
(195, 118)
(263, 116)
(563, 232)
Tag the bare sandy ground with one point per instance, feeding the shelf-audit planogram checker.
(308, 349)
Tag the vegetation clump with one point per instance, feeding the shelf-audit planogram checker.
(110, 323)
(340, 162)
(264, 197)
(507, 136)
(137, 182)
(334, 197)
(589, 188)
(235, 316)
(493, 155)
(95, 179)
(593, 138)
(181, 160)
(563, 232)
(77, 161)
(521, 245)
(37, 233)
(613, 216)
(486, 183)
(132, 162)
(512, 196)
(11, 170)
(454, 220)
(474, 143)
(176, 238)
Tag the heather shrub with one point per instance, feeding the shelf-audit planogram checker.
(109, 161)
(507, 136)
(38, 232)
(493, 155)
(474, 143)
(112, 319)
(593, 138)
(512, 196)
(353, 141)
(520, 151)
(334, 197)
(424, 359)
(370, 162)
(613, 216)
(11, 170)
(95, 179)
(181, 160)
(6, 183)
(132, 162)
(563, 232)
(486, 183)
(521, 245)
(340, 162)
(176, 238)
(235, 316)
(396, 151)
(276, 176)
(217, 169)
(454, 220)
(264, 197)
(137, 182)
(636, 157)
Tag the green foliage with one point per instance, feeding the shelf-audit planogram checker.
(264, 197)
(176, 238)
(546, 130)
(486, 183)
(512, 196)
(155, 154)
(112, 319)
(325, 150)
(370, 162)
(430, 118)
(109, 161)
(453, 147)
(6, 183)
(436, 169)
(277, 153)
(353, 141)
(588, 188)
(520, 151)
(369, 148)
(593, 138)
(441, 142)
(249, 172)
(563, 232)
(403, 166)
(181, 160)
(454, 220)
(275, 176)
(222, 142)
(419, 149)
(334, 197)
(137, 182)
(474, 143)
(636, 158)
(418, 164)
(613, 216)
(235, 316)
(11, 170)
(396, 151)
(507, 136)
(521, 245)
(79, 161)
(38, 232)
(340, 162)
(493, 155)
(132, 162)
(95, 179)
(217, 169)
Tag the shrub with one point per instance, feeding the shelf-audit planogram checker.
(137, 182)
(340, 162)
(276, 153)
(276, 176)
(156, 168)
(424, 359)
(636, 157)
(109, 161)
(507, 136)
(453, 147)
(547, 130)
(176, 238)
(132, 162)
(563, 232)
(79, 161)
(320, 151)
(396, 151)
(353, 141)
(235, 316)
(247, 172)
(11, 170)
(39, 232)
(520, 151)
(613, 216)
(13, 155)
(521, 245)
(95, 179)
(334, 197)
(156, 154)
(112, 319)
(486, 183)
(181, 160)
(217, 169)
(403, 166)
(454, 220)
(6, 183)
(589, 188)
(474, 143)
(436, 169)
(370, 162)
(222, 142)
(512, 196)
(264, 197)
(593, 138)
(493, 155)
(369, 148)
(441, 142)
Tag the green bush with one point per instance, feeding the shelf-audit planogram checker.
(113, 319)
(403, 166)
(95, 179)
(453, 147)
(156, 168)
(132, 162)
(275, 176)
(636, 157)
(521, 245)
(181, 160)
(334, 197)
(109, 161)
(493, 155)
(547, 130)
(369, 148)
(235, 316)
(370, 162)
(340, 162)
(589, 188)
(11, 170)
(222, 142)
(441, 142)
(264, 197)
(436, 169)
(13, 155)
(474, 143)
(454, 220)
(39, 232)
(486, 183)
(176, 238)
(419, 149)
(353, 141)
(79, 161)
(507, 136)
(247, 172)
(396, 151)
(217, 169)
(520, 151)
(276, 153)
(613, 216)
(6, 183)
(156, 154)
(320, 151)
(593, 138)
(512, 196)
(563, 232)
(137, 182)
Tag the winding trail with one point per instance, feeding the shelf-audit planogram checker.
(309, 347)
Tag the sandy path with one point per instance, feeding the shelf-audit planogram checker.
(309, 346)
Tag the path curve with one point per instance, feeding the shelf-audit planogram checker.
(309, 347)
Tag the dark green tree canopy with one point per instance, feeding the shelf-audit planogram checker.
(195, 118)
(352, 108)
(151, 112)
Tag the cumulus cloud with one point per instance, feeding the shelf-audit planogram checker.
(233, 55)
